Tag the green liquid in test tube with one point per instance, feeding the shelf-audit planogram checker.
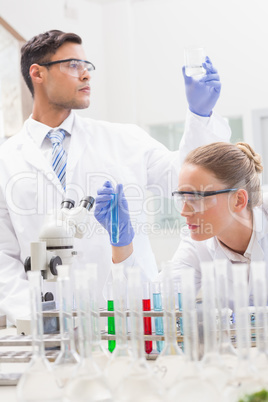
(111, 325)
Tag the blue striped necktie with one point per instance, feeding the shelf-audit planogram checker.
(59, 156)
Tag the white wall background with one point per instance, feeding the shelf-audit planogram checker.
(137, 47)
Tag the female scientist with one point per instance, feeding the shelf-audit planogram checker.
(219, 194)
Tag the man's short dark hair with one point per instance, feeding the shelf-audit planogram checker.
(40, 48)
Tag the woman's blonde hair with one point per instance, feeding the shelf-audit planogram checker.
(236, 165)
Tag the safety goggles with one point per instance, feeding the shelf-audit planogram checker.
(73, 67)
(198, 201)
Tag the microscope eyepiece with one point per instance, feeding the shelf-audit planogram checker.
(67, 203)
(87, 202)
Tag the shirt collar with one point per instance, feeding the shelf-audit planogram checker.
(38, 131)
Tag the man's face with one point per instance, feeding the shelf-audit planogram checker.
(62, 90)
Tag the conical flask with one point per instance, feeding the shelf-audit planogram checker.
(171, 359)
(68, 359)
(120, 360)
(38, 382)
(99, 353)
(227, 351)
(189, 385)
(213, 367)
(245, 379)
(88, 383)
(260, 296)
(139, 383)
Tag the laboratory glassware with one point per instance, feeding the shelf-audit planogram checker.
(139, 383)
(171, 359)
(114, 219)
(189, 385)
(158, 321)
(194, 57)
(88, 383)
(120, 360)
(99, 353)
(245, 379)
(213, 367)
(226, 349)
(37, 382)
(147, 321)
(68, 358)
(260, 296)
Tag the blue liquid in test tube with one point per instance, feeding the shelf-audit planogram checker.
(180, 309)
(159, 327)
(114, 219)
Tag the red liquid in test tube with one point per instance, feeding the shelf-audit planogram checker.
(147, 321)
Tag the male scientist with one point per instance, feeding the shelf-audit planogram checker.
(58, 155)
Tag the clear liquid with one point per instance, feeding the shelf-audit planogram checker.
(193, 389)
(159, 325)
(193, 71)
(85, 389)
(116, 370)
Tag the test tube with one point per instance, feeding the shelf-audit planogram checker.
(114, 219)
(147, 321)
(111, 322)
(157, 303)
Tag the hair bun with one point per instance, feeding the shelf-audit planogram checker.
(251, 154)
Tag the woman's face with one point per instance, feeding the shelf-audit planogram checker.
(213, 216)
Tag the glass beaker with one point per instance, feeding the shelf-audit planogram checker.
(194, 57)
(68, 359)
(139, 383)
(88, 382)
(37, 382)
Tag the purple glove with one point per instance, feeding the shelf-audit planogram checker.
(102, 213)
(202, 94)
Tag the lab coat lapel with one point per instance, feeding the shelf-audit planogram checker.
(34, 156)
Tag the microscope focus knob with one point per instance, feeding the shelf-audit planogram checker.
(54, 262)
(27, 264)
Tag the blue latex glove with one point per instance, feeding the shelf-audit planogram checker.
(202, 95)
(102, 213)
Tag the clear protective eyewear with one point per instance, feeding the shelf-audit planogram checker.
(73, 67)
(198, 201)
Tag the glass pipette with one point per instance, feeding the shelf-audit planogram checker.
(139, 383)
(226, 349)
(245, 379)
(88, 383)
(189, 386)
(99, 353)
(171, 359)
(67, 360)
(212, 364)
(120, 360)
(38, 382)
(260, 296)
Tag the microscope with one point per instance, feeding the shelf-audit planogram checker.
(56, 247)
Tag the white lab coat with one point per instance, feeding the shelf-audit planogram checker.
(98, 151)
(191, 253)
